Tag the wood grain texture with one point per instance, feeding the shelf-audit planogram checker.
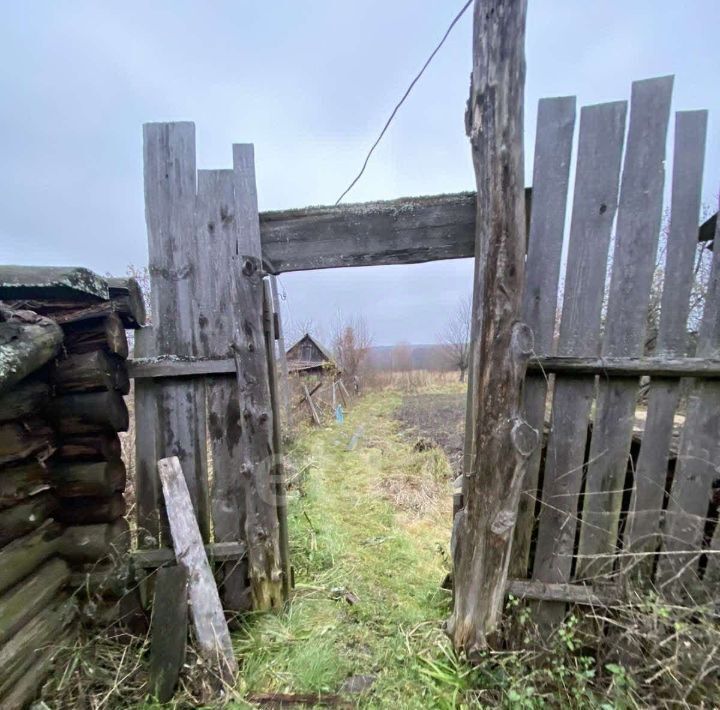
(218, 237)
(643, 522)
(483, 530)
(696, 468)
(23, 400)
(168, 631)
(22, 556)
(151, 518)
(27, 342)
(170, 177)
(255, 443)
(638, 226)
(409, 230)
(211, 630)
(270, 320)
(660, 366)
(602, 129)
(56, 282)
(23, 601)
(551, 175)
(284, 376)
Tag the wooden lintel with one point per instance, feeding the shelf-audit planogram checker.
(216, 552)
(409, 230)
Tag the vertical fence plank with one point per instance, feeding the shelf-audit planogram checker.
(169, 173)
(644, 520)
(284, 377)
(483, 529)
(217, 240)
(278, 472)
(261, 527)
(551, 174)
(638, 227)
(698, 457)
(151, 519)
(602, 131)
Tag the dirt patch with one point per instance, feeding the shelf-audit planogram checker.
(435, 420)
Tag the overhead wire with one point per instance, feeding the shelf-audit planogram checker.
(402, 100)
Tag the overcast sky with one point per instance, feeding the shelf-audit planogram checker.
(310, 83)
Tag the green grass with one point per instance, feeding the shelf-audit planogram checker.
(347, 538)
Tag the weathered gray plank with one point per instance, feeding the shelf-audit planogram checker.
(638, 227)
(68, 282)
(151, 518)
(218, 238)
(602, 130)
(409, 230)
(168, 631)
(215, 551)
(483, 529)
(27, 341)
(643, 521)
(169, 157)
(211, 630)
(284, 377)
(660, 366)
(278, 472)
(699, 453)
(551, 174)
(255, 440)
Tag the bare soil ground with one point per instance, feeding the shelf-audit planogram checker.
(435, 419)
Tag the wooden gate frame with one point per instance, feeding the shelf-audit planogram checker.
(208, 241)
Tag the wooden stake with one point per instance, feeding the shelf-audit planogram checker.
(483, 530)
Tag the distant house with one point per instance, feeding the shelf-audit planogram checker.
(309, 357)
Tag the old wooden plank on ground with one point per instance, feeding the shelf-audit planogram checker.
(602, 129)
(696, 469)
(643, 522)
(211, 630)
(255, 441)
(218, 237)
(168, 631)
(638, 226)
(551, 174)
(484, 528)
(169, 162)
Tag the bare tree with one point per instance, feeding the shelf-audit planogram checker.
(455, 338)
(351, 342)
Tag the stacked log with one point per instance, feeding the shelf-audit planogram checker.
(63, 375)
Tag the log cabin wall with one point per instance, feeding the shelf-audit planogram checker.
(63, 375)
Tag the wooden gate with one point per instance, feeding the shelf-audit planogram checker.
(596, 499)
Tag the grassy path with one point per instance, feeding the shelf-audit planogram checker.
(371, 526)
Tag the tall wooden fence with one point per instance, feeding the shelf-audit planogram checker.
(604, 495)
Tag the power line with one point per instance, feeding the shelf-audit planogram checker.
(402, 100)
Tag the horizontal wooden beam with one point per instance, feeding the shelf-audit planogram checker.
(216, 552)
(628, 367)
(571, 593)
(172, 366)
(409, 230)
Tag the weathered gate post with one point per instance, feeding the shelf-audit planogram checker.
(483, 531)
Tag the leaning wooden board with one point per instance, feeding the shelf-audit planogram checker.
(211, 630)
